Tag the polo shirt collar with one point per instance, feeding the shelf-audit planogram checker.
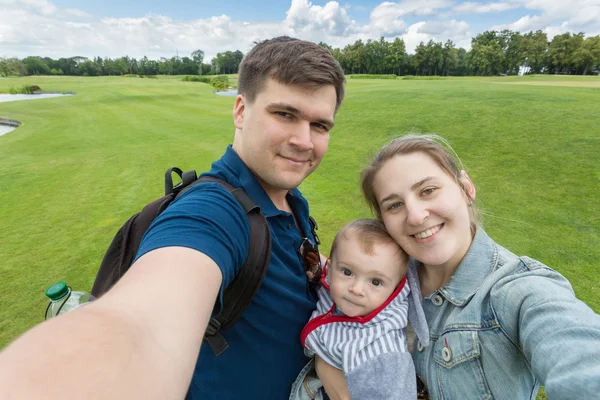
(251, 184)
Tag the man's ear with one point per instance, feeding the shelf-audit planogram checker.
(468, 185)
(239, 108)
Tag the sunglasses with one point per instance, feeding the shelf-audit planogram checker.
(309, 253)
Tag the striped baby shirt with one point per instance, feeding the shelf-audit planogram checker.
(348, 342)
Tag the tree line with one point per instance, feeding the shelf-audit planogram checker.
(224, 63)
(492, 53)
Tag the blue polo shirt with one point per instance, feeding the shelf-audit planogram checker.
(264, 355)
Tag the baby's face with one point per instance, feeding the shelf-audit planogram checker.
(359, 282)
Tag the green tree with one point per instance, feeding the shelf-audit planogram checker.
(487, 55)
(450, 58)
(198, 57)
(36, 66)
(419, 60)
(397, 57)
(587, 54)
(165, 66)
(535, 46)
(561, 52)
(12, 66)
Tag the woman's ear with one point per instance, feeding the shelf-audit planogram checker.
(468, 186)
(239, 108)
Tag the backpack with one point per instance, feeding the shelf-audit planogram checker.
(237, 296)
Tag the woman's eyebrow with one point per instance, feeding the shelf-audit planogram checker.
(421, 182)
(390, 197)
(413, 187)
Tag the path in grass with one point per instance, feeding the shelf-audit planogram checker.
(79, 166)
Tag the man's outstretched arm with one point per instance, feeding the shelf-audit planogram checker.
(139, 341)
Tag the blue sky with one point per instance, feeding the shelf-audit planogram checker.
(110, 28)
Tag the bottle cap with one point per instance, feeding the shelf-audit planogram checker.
(57, 291)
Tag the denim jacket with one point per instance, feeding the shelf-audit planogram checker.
(502, 326)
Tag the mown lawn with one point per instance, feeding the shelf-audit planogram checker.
(79, 166)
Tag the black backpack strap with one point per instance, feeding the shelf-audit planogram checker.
(187, 178)
(238, 295)
(313, 229)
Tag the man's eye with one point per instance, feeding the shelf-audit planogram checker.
(283, 114)
(320, 127)
(376, 282)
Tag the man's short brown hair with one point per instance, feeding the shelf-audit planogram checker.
(291, 62)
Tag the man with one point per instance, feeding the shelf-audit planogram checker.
(143, 339)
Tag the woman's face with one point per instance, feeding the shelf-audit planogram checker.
(424, 209)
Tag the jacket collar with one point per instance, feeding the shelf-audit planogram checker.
(479, 262)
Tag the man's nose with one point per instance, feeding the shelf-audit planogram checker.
(301, 137)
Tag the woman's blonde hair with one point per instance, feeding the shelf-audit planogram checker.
(432, 145)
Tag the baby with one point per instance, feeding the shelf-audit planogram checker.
(358, 326)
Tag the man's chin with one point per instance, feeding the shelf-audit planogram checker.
(291, 181)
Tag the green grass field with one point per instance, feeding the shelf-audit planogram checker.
(79, 166)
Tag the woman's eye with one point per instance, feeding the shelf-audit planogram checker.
(376, 282)
(396, 205)
(428, 191)
(346, 272)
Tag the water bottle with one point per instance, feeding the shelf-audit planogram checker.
(63, 299)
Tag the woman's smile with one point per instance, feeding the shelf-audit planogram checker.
(428, 233)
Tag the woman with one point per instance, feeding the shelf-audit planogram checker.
(500, 325)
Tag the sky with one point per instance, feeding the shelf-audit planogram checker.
(111, 28)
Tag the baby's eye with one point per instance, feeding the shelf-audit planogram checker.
(376, 282)
(346, 272)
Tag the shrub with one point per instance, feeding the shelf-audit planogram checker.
(203, 79)
(374, 76)
(25, 89)
(220, 82)
(422, 78)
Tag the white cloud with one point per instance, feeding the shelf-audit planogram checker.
(444, 29)
(76, 13)
(470, 7)
(525, 24)
(424, 31)
(39, 27)
(304, 17)
(557, 16)
(410, 8)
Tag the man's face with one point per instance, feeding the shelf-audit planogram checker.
(283, 135)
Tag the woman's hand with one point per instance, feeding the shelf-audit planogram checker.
(332, 379)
